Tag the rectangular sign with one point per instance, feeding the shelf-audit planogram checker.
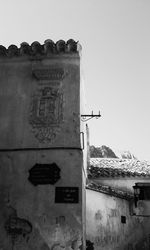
(67, 195)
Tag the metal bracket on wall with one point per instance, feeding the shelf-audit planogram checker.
(85, 118)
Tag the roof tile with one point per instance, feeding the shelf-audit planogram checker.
(46, 49)
(109, 191)
(114, 167)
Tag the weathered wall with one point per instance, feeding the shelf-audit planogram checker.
(40, 205)
(105, 228)
(30, 217)
(25, 84)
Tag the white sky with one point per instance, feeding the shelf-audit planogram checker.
(115, 39)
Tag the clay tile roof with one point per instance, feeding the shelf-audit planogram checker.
(36, 49)
(110, 191)
(114, 167)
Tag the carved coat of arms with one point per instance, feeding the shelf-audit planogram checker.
(46, 114)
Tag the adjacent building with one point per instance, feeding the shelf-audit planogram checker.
(114, 219)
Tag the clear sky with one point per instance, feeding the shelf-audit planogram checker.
(115, 39)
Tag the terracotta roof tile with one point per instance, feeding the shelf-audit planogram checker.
(36, 49)
(109, 191)
(109, 167)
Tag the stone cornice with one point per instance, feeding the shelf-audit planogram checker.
(48, 49)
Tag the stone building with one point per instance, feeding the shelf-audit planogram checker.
(44, 156)
(114, 219)
(42, 160)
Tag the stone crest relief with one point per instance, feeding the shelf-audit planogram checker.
(46, 114)
(46, 109)
(49, 73)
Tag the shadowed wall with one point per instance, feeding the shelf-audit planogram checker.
(41, 158)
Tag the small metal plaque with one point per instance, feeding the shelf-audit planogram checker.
(67, 195)
(41, 174)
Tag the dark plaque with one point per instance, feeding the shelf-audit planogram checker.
(67, 195)
(41, 174)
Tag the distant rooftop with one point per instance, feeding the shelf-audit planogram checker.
(109, 191)
(115, 167)
(36, 49)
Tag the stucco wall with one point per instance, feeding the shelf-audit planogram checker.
(40, 124)
(43, 222)
(104, 227)
(23, 84)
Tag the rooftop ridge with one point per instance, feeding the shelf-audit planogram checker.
(48, 48)
(118, 160)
